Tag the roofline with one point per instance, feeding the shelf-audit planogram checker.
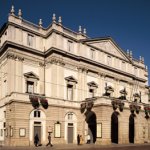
(107, 38)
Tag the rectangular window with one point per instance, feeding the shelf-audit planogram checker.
(30, 40)
(30, 87)
(123, 66)
(91, 93)
(92, 53)
(1, 132)
(37, 114)
(70, 92)
(109, 60)
(5, 87)
(70, 46)
(4, 124)
(70, 116)
(4, 114)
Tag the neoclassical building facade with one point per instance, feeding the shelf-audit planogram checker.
(60, 82)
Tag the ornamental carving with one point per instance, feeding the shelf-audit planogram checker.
(37, 100)
(118, 104)
(14, 57)
(134, 107)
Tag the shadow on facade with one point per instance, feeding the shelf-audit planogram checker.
(92, 128)
(131, 128)
(114, 127)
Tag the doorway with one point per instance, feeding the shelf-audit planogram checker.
(70, 132)
(114, 127)
(37, 130)
(131, 128)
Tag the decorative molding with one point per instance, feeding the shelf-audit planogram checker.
(14, 57)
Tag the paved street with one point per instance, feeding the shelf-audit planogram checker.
(84, 147)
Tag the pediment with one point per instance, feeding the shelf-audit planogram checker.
(71, 79)
(109, 46)
(31, 75)
(92, 84)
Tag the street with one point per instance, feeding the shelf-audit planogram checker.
(84, 147)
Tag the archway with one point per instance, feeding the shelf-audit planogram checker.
(37, 125)
(92, 128)
(114, 127)
(131, 128)
(70, 127)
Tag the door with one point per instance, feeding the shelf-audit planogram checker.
(70, 132)
(37, 130)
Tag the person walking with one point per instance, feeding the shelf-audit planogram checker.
(78, 139)
(49, 141)
(36, 140)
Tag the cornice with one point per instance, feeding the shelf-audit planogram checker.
(79, 59)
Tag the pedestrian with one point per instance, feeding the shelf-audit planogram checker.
(36, 140)
(88, 139)
(81, 139)
(49, 141)
(78, 139)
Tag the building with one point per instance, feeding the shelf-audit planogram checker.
(60, 82)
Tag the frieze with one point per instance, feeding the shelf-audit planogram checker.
(14, 57)
(57, 61)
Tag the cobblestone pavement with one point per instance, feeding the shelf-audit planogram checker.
(84, 147)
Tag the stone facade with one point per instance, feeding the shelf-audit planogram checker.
(60, 82)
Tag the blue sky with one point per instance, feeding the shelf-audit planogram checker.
(126, 21)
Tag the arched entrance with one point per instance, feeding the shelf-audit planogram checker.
(37, 126)
(70, 127)
(131, 128)
(114, 127)
(92, 128)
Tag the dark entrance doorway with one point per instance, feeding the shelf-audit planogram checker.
(131, 128)
(92, 125)
(37, 130)
(70, 132)
(114, 127)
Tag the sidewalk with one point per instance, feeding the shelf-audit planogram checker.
(71, 146)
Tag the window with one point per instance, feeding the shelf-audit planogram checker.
(4, 124)
(123, 66)
(92, 88)
(1, 132)
(70, 92)
(70, 46)
(92, 53)
(71, 82)
(70, 116)
(30, 40)
(4, 114)
(31, 82)
(30, 87)
(109, 60)
(91, 93)
(37, 114)
(5, 87)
